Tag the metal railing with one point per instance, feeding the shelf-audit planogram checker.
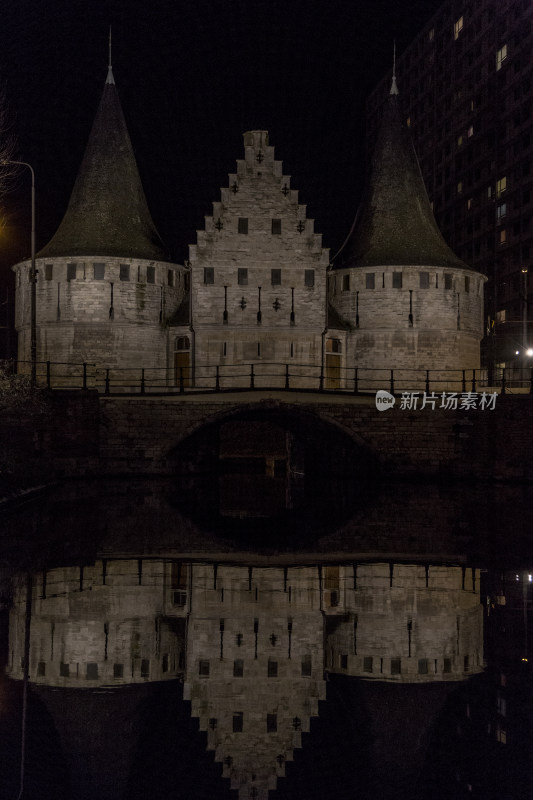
(259, 375)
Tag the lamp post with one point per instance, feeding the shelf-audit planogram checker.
(33, 277)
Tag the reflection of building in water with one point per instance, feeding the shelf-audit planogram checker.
(117, 622)
(403, 622)
(252, 643)
(255, 667)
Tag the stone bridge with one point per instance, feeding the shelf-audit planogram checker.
(143, 435)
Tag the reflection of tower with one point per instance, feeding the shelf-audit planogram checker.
(404, 623)
(115, 623)
(254, 667)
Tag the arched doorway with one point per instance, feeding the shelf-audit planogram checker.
(333, 363)
(182, 361)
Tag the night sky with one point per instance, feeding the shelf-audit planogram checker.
(192, 76)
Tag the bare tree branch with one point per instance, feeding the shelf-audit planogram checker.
(8, 172)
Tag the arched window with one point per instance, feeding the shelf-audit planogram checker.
(182, 344)
(333, 346)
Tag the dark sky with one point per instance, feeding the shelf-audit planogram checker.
(192, 76)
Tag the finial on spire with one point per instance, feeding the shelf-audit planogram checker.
(110, 78)
(394, 87)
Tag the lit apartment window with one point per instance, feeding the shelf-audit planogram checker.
(243, 225)
(431, 34)
(501, 186)
(458, 27)
(460, 187)
(503, 236)
(459, 141)
(209, 275)
(469, 203)
(501, 55)
(470, 131)
(501, 211)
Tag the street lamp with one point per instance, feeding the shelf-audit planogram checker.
(33, 276)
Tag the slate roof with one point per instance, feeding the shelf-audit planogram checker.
(395, 224)
(107, 214)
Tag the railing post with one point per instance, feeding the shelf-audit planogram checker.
(182, 383)
(355, 381)
(503, 380)
(252, 377)
(464, 380)
(107, 381)
(142, 381)
(84, 375)
(48, 376)
(473, 380)
(217, 380)
(392, 381)
(286, 376)
(321, 383)
(427, 381)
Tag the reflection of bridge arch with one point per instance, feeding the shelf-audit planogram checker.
(338, 448)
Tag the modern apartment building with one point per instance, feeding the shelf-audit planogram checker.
(466, 87)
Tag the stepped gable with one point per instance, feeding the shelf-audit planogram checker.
(107, 214)
(395, 225)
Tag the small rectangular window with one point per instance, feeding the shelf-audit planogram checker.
(345, 283)
(275, 276)
(467, 283)
(242, 276)
(99, 272)
(424, 280)
(238, 668)
(272, 723)
(448, 281)
(503, 236)
(367, 664)
(396, 280)
(458, 27)
(466, 663)
(272, 670)
(422, 666)
(276, 226)
(309, 278)
(447, 665)
(501, 55)
(145, 668)
(396, 666)
(238, 722)
(501, 186)
(209, 275)
(71, 272)
(164, 663)
(48, 272)
(306, 666)
(344, 661)
(170, 277)
(370, 280)
(203, 668)
(124, 272)
(118, 670)
(150, 275)
(64, 670)
(243, 225)
(41, 669)
(92, 672)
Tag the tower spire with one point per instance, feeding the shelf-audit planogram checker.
(394, 87)
(110, 78)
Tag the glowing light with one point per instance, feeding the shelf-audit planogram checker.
(517, 352)
(524, 659)
(529, 351)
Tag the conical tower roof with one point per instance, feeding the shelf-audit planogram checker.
(395, 223)
(107, 214)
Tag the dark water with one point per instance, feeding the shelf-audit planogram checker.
(258, 635)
